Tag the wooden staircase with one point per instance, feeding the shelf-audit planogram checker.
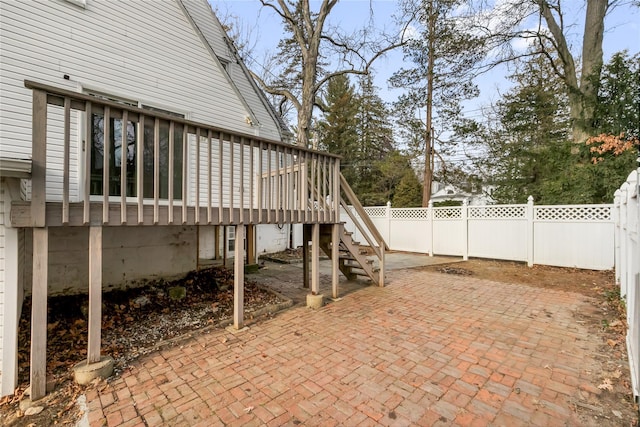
(354, 259)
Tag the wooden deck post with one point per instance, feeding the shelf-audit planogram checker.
(315, 259)
(38, 158)
(305, 254)
(95, 294)
(238, 279)
(39, 313)
(335, 258)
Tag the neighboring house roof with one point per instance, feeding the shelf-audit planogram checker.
(451, 192)
(260, 111)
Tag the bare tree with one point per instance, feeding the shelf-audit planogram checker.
(311, 41)
(502, 25)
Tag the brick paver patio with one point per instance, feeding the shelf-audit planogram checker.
(428, 349)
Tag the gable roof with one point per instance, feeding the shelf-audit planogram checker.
(261, 113)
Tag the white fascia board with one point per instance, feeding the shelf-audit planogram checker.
(15, 168)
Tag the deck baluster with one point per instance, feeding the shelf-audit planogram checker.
(65, 161)
(140, 168)
(156, 170)
(123, 167)
(170, 172)
(209, 184)
(197, 200)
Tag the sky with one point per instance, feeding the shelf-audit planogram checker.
(264, 28)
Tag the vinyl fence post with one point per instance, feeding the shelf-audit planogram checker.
(465, 222)
(529, 239)
(430, 226)
(387, 237)
(616, 239)
(624, 240)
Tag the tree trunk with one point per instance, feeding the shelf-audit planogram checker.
(428, 151)
(591, 69)
(582, 95)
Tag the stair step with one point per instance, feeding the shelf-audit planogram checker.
(357, 268)
(358, 263)
(363, 274)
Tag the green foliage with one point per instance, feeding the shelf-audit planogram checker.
(408, 193)
(438, 75)
(338, 131)
(356, 126)
(528, 145)
(619, 97)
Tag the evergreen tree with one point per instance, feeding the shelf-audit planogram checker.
(338, 133)
(442, 56)
(528, 145)
(375, 141)
(408, 193)
(357, 127)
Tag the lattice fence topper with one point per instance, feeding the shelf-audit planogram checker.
(410, 213)
(498, 212)
(376, 211)
(447, 213)
(572, 213)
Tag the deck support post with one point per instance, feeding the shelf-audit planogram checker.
(305, 255)
(335, 258)
(39, 313)
(315, 259)
(95, 294)
(238, 279)
(96, 366)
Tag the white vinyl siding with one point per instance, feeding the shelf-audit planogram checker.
(147, 51)
(214, 34)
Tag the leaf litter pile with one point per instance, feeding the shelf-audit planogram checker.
(134, 322)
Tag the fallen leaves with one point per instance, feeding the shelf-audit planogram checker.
(134, 321)
(606, 385)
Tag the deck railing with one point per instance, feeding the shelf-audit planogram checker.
(144, 166)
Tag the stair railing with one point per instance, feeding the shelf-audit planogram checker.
(380, 246)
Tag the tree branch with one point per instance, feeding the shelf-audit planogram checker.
(276, 91)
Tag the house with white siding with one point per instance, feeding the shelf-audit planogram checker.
(131, 136)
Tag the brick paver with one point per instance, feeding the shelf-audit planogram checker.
(428, 349)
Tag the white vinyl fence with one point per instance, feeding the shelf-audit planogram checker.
(627, 255)
(580, 236)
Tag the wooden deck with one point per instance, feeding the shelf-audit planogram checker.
(172, 171)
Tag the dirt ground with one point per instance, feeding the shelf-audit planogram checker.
(587, 282)
(125, 316)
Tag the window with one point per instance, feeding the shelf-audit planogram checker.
(231, 239)
(119, 156)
